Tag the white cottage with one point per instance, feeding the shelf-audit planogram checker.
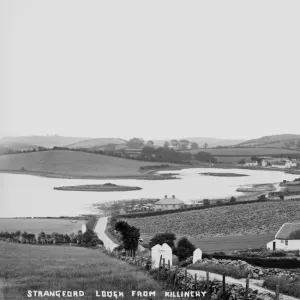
(287, 238)
(168, 203)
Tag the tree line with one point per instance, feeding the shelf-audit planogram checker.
(87, 239)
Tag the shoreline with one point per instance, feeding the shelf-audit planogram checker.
(148, 175)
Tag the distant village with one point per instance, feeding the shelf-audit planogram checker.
(266, 161)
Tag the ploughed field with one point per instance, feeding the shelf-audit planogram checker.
(235, 220)
(62, 268)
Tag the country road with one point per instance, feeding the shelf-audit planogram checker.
(100, 231)
(252, 285)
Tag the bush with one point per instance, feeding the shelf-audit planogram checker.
(288, 285)
(232, 200)
(161, 238)
(184, 249)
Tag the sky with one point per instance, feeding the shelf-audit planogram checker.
(151, 69)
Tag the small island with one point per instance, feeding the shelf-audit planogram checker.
(107, 187)
(223, 174)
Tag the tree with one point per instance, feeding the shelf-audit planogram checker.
(148, 151)
(297, 144)
(150, 143)
(166, 144)
(232, 200)
(130, 235)
(184, 249)
(242, 161)
(161, 238)
(205, 157)
(206, 202)
(194, 145)
(135, 143)
(205, 145)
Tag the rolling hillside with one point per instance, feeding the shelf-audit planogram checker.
(47, 141)
(72, 163)
(16, 146)
(97, 143)
(212, 142)
(271, 141)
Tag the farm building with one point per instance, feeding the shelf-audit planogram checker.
(283, 164)
(250, 163)
(168, 203)
(287, 238)
(122, 212)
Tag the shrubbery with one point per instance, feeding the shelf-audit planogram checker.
(161, 238)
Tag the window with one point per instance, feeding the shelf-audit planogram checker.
(282, 241)
(174, 206)
(286, 242)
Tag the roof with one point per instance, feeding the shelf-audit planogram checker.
(289, 231)
(170, 201)
(247, 161)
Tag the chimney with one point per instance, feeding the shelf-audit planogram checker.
(173, 196)
(166, 196)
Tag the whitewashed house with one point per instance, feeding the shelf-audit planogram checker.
(250, 163)
(168, 203)
(287, 238)
(282, 164)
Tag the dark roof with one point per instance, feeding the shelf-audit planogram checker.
(289, 231)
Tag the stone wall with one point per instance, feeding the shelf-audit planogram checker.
(253, 271)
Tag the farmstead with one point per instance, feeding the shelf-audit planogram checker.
(168, 203)
(287, 238)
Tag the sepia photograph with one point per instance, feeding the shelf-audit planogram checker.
(149, 150)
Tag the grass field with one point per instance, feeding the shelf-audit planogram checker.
(245, 219)
(71, 163)
(246, 151)
(228, 243)
(35, 226)
(48, 268)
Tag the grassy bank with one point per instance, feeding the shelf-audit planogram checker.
(26, 267)
(287, 285)
(71, 164)
(231, 271)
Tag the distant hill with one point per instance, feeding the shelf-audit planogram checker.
(212, 142)
(276, 141)
(97, 143)
(47, 141)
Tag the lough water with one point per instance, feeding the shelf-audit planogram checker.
(29, 196)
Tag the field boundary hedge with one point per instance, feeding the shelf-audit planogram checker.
(281, 263)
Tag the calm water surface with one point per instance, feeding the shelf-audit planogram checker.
(28, 196)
